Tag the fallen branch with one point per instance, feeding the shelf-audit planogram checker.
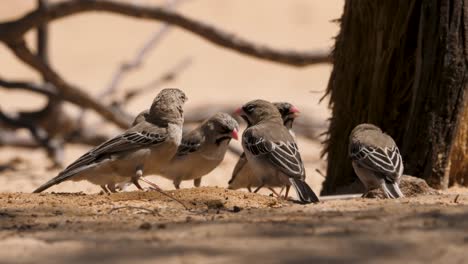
(14, 30)
(153, 212)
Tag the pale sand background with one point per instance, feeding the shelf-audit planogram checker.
(147, 227)
(87, 48)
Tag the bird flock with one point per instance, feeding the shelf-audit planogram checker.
(156, 145)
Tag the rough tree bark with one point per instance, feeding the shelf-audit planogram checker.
(401, 65)
(459, 155)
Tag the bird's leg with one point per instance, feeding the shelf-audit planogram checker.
(281, 191)
(258, 188)
(274, 192)
(138, 175)
(197, 182)
(250, 189)
(287, 192)
(111, 188)
(156, 188)
(177, 183)
(104, 188)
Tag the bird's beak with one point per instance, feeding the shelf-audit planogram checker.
(235, 134)
(294, 111)
(239, 111)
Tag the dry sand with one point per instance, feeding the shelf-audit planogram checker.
(225, 226)
(221, 226)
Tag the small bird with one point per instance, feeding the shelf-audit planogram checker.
(202, 150)
(242, 175)
(142, 149)
(376, 160)
(271, 150)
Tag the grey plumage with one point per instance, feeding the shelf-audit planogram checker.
(376, 159)
(201, 150)
(271, 150)
(242, 175)
(142, 149)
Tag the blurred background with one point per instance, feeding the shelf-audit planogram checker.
(87, 49)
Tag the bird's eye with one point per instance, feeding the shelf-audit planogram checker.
(224, 130)
(249, 108)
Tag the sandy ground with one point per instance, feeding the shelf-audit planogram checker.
(224, 226)
(76, 224)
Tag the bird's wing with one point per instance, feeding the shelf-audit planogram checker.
(385, 161)
(281, 153)
(130, 140)
(140, 117)
(191, 142)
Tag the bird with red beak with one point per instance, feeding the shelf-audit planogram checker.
(242, 175)
(271, 150)
(202, 150)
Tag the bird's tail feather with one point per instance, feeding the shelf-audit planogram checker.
(63, 176)
(304, 192)
(48, 184)
(391, 190)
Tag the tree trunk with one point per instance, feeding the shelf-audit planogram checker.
(459, 155)
(401, 65)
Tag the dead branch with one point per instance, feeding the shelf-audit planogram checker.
(13, 31)
(39, 134)
(46, 89)
(153, 212)
(43, 35)
(68, 91)
(137, 60)
(170, 75)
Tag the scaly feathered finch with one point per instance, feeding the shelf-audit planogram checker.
(242, 175)
(376, 159)
(271, 150)
(142, 149)
(202, 150)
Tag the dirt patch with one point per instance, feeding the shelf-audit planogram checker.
(229, 226)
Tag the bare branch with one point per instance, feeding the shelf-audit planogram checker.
(14, 30)
(42, 35)
(166, 77)
(68, 91)
(45, 89)
(137, 60)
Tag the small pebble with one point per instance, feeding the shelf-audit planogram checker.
(145, 226)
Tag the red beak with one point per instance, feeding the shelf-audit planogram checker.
(239, 111)
(235, 134)
(294, 111)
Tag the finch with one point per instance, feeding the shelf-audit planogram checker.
(142, 149)
(376, 159)
(242, 175)
(271, 150)
(202, 150)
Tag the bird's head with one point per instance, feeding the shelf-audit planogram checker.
(364, 127)
(221, 127)
(257, 111)
(168, 106)
(288, 113)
